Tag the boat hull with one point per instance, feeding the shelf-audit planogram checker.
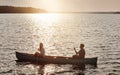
(54, 60)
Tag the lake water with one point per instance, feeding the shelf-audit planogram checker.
(60, 33)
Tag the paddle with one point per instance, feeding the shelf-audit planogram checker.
(75, 50)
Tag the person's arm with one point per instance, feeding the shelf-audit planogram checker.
(75, 51)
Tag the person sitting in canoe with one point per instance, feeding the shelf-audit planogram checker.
(81, 53)
(41, 51)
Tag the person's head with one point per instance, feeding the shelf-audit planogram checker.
(41, 45)
(82, 46)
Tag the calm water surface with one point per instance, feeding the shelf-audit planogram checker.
(60, 33)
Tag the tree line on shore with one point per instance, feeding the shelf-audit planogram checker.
(12, 9)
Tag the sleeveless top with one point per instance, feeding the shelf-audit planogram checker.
(81, 53)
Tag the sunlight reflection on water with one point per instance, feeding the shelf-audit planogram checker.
(43, 27)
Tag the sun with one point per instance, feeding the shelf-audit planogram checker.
(51, 5)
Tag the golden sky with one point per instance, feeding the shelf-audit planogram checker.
(67, 5)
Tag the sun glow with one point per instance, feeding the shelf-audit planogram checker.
(51, 5)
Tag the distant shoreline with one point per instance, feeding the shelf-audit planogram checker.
(12, 9)
(89, 12)
(25, 10)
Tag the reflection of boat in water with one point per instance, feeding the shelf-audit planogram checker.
(54, 60)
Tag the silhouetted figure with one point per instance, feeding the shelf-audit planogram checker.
(41, 51)
(81, 53)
